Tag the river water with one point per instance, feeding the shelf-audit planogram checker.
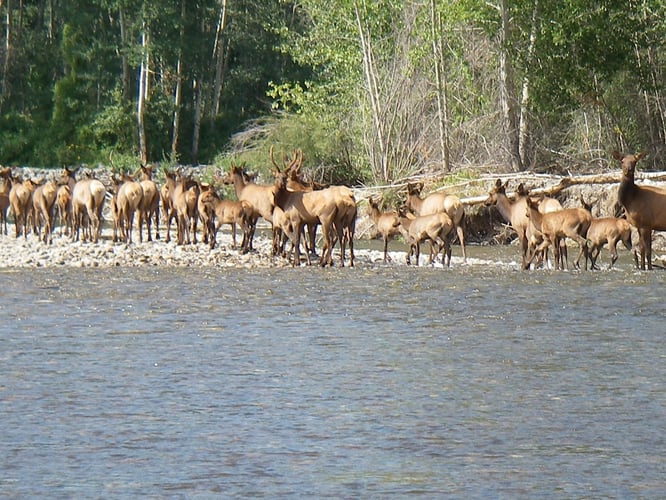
(380, 381)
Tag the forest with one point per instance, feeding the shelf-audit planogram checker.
(371, 91)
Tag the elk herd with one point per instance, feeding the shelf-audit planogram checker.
(295, 208)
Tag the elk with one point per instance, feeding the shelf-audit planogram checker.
(5, 188)
(43, 202)
(515, 212)
(88, 197)
(534, 237)
(344, 224)
(149, 208)
(438, 202)
(330, 207)
(436, 228)
(184, 198)
(64, 199)
(260, 197)
(179, 196)
(566, 223)
(126, 201)
(64, 206)
(606, 230)
(645, 206)
(206, 210)
(294, 183)
(386, 223)
(167, 205)
(20, 201)
(215, 211)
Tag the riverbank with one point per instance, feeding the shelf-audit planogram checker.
(484, 226)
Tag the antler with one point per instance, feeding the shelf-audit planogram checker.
(270, 155)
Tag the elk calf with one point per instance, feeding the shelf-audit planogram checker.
(387, 224)
(566, 223)
(436, 228)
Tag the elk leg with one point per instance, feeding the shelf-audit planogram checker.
(387, 258)
(461, 237)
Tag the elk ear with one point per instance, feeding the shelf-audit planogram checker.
(617, 155)
(639, 155)
(498, 183)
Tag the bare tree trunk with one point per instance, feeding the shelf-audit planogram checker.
(19, 27)
(442, 104)
(524, 140)
(219, 56)
(8, 51)
(179, 86)
(507, 95)
(143, 92)
(659, 101)
(198, 104)
(123, 52)
(374, 97)
(51, 19)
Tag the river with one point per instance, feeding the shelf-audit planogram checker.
(381, 381)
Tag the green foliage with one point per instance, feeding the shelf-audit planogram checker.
(293, 76)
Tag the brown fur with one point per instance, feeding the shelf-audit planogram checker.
(331, 207)
(126, 201)
(43, 202)
(567, 223)
(20, 201)
(606, 230)
(438, 202)
(87, 204)
(5, 188)
(260, 197)
(435, 228)
(387, 224)
(149, 208)
(645, 206)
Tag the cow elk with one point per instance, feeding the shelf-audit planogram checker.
(126, 200)
(514, 212)
(260, 197)
(20, 201)
(149, 208)
(645, 206)
(555, 226)
(43, 203)
(88, 196)
(438, 202)
(185, 199)
(5, 188)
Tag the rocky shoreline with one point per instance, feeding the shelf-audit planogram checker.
(483, 226)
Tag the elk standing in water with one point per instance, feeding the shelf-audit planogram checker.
(438, 202)
(436, 228)
(607, 230)
(555, 226)
(645, 206)
(387, 224)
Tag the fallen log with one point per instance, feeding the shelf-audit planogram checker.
(566, 182)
